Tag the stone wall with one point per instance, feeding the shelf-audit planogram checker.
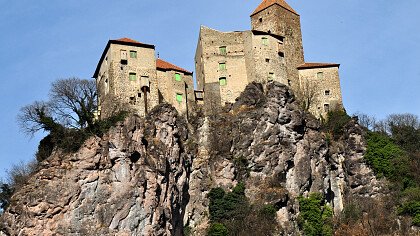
(169, 88)
(123, 92)
(280, 21)
(326, 83)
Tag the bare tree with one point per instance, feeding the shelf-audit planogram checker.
(36, 117)
(73, 101)
(307, 94)
(366, 121)
(72, 105)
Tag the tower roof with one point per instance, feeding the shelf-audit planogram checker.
(268, 3)
(165, 66)
(312, 65)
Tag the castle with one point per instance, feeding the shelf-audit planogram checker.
(129, 75)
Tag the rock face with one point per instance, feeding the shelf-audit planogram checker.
(152, 176)
(133, 181)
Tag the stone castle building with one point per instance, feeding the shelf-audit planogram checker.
(129, 75)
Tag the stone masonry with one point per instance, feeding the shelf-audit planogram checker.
(272, 51)
(130, 77)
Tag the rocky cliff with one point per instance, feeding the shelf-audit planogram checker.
(152, 176)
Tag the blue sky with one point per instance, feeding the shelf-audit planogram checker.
(374, 41)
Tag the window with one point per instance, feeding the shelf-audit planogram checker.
(133, 54)
(222, 50)
(267, 60)
(177, 77)
(326, 107)
(270, 76)
(327, 92)
(264, 41)
(179, 97)
(222, 66)
(132, 76)
(260, 19)
(320, 75)
(123, 55)
(222, 81)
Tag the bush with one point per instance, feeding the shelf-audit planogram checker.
(335, 123)
(70, 140)
(315, 217)
(218, 229)
(385, 157)
(233, 211)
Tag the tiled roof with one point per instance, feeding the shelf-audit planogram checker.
(127, 40)
(268, 3)
(310, 65)
(164, 65)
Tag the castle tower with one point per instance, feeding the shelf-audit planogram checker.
(278, 18)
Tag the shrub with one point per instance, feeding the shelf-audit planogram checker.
(385, 157)
(218, 229)
(335, 123)
(315, 217)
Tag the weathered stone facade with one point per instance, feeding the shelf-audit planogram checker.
(322, 79)
(129, 77)
(227, 61)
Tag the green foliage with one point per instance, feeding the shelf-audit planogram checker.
(225, 206)
(70, 140)
(335, 123)
(231, 214)
(385, 157)
(218, 229)
(315, 217)
(187, 230)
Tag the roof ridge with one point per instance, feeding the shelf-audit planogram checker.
(162, 64)
(268, 3)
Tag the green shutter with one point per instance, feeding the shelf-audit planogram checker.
(179, 97)
(265, 41)
(132, 76)
(222, 50)
(133, 54)
(177, 77)
(222, 81)
(222, 66)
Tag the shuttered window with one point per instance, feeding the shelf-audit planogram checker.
(222, 66)
(133, 54)
(132, 76)
(179, 97)
(177, 77)
(222, 50)
(222, 81)
(264, 41)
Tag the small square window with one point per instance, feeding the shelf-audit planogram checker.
(132, 77)
(260, 20)
(320, 75)
(270, 76)
(267, 60)
(327, 93)
(179, 97)
(222, 50)
(133, 54)
(222, 81)
(326, 107)
(177, 77)
(222, 66)
(264, 41)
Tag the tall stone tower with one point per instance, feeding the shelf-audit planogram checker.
(278, 18)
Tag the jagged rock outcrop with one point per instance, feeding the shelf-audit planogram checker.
(151, 176)
(133, 181)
